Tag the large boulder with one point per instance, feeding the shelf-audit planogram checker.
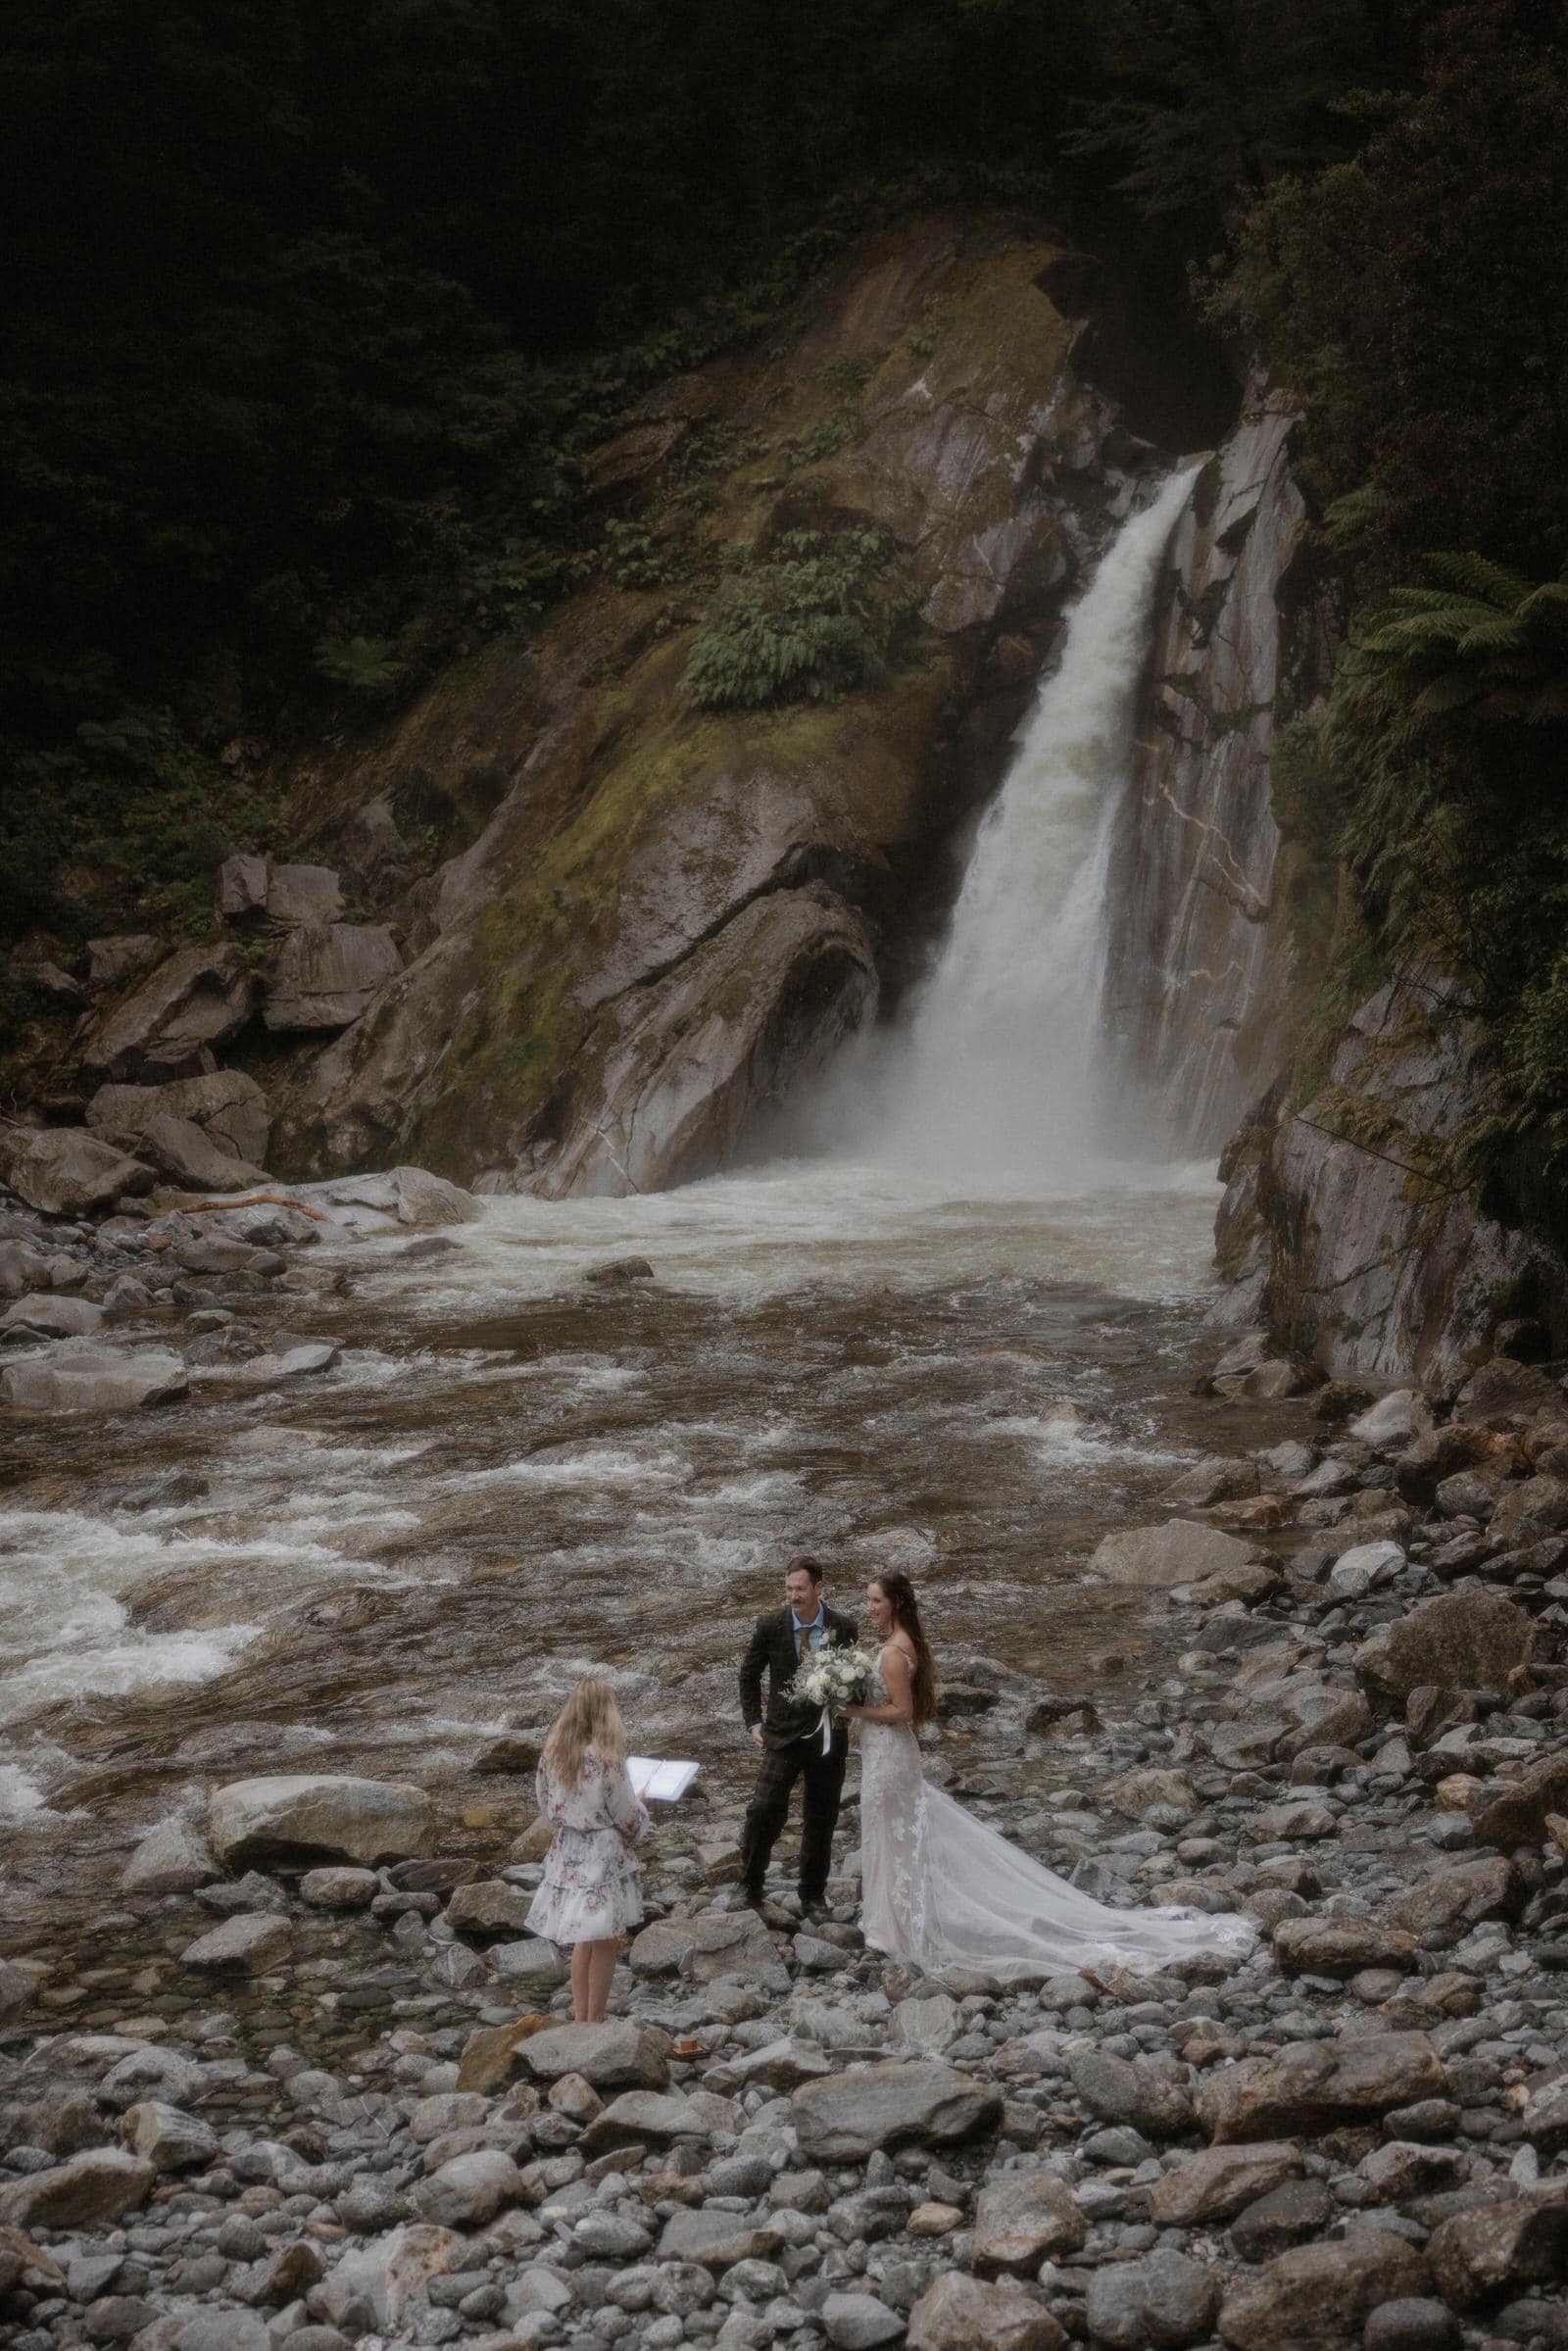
(619, 2054)
(1533, 1507)
(374, 2285)
(1452, 1900)
(1477, 2256)
(63, 1172)
(1518, 1815)
(1331, 1946)
(79, 1376)
(959, 2313)
(250, 886)
(187, 1154)
(228, 1107)
(1022, 2219)
(410, 1199)
(1218, 2182)
(52, 1314)
(1178, 1553)
(1319, 2297)
(1314, 2086)
(849, 2116)
(1278, 1720)
(190, 1003)
(171, 1859)
(1468, 1639)
(323, 1816)
(328, 974)
(98, 2184)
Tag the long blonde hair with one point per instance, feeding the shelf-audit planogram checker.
(590, 1718)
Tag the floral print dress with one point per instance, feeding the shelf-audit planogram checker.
(593, 1886)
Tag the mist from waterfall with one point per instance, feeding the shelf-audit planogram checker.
(998, 1077)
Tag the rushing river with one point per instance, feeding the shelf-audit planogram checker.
(512, 1473)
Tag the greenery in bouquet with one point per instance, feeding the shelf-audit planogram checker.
(833, 1677)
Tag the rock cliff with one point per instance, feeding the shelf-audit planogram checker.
(667, 915)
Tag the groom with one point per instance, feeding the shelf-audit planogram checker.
(789, 1739)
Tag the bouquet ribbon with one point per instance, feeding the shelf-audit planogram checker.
(825, 1726)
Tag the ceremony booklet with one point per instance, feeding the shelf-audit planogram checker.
(659, 1783)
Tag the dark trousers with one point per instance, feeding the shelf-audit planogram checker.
(769, 1809)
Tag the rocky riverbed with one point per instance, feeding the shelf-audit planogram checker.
(296, 2076)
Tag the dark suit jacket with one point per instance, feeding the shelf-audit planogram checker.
(772, 1651)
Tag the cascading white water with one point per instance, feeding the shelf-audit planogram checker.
(996, 1078)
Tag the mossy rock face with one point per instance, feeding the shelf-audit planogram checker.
(633, 876)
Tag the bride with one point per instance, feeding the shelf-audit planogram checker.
(943, 1890)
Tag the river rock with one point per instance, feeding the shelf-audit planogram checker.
(1218, 1478)
(490, 1907)
(860, 2323)
(535, 1967)
(63, 1172)
(1178, 1553)
(1319, 2297)
(638, 2114)
(1148, 2096)
(1460, 1639)
(1330, 1946)
(1412, 2323)
(167, 2137)
(1311, 2086)
(374, 2285)
(847, 2116)
(1024, 2218)
(619, 2054)
(928, 2025)
(1161, 2303)
(328, 973)
(338, 1886)
(408, 1197)
(302, 894)
(718, 2239)
(320, 1815)
(76, 1376)
(1478, 2255)
(98, 2184)
(170, 1859)
(253, 1941)
(1452, 1900)
(1534, 1507)
(1394, 1419)
(1363, 1567)
(469, 2189)
(1278, 1720)
(493, 2056)
(53, 1315)
(704, 1949)
(194, 1001)
(959, 2313)
(1217, 2182)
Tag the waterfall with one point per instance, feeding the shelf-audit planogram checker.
(998, 1077)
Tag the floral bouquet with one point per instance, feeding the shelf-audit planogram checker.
(830, 1679)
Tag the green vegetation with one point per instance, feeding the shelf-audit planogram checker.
(814, 617)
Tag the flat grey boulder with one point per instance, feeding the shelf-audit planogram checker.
(339, 1886)
(617, 2055)
(250, 1944)
(490, 1907)
(718, 2239)
(96, 2185)
(327, 973)
(170, 1859)
(467, 2191)
(290, 1363)
(859, 2322)
(54, 1315)
(322, 1815)
(63, 1172)
(703, 1950)
(191, 1002)
(1153, 2098)
(638, 2114)
(849, 2116)
(410, 1198)
(288, 895)
(531, 1963)
(1159, 1558)
(76, 1376)
(228, 1107)
(1314, 2085)
(960, 2314)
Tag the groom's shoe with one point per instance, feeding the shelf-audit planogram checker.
(815, 1912)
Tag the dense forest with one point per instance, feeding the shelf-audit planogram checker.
(316, 317)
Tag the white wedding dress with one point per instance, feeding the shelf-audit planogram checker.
(943, 1890)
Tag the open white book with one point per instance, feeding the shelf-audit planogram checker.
(659, 1783)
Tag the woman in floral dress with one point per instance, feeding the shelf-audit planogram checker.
(592, 1891)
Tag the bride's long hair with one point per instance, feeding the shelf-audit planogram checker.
(899, 1593)
(590, 1718)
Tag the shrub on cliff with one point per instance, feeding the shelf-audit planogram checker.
(815, 617)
